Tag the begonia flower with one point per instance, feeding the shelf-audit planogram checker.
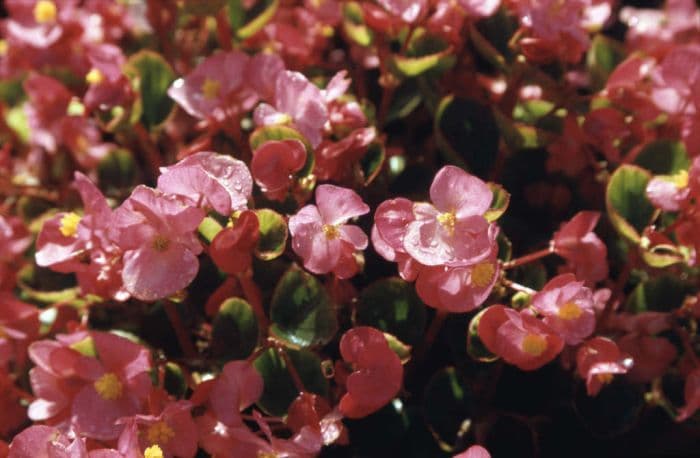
(475, 451)
(19, 326)
(274, 163)
(298, 102)
(216, 88)
(568, 307)
(652, 356)
(156, 231)
(209, 180)
(458, 289)
(452, 230)
(518, 337)
(46, 441)
(377, 374)
(584, 252)
(320, 235)
(598, 360)
(173, 431)
(390, 222)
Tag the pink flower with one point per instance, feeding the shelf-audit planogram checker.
(157, 233)
(378, 372)
(458, 289)
(321, 237)
(475, 451)
(46, 108)
(14, 238)
(390, 222)
(46, 441)
(298, 102)
(108, 86)
(19, 326)
(209, 179)
(692, 396)
(598, 360)
(216, 88)
(480, 8)
(409, 11)
(262, 72)
(568, 308)
(274, 163)
(452, 231)
(584, 252)
(652, 356)
(96, 391)
(669, 192)
(519, 338)
(69, 242)
(173, 431)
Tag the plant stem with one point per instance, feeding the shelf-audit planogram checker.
(517, 262)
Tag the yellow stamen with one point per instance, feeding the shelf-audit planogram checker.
(94, 76)
(330, 231)
(45, 11)
(160, 243)
(534, 344)
(482, 274)
(680, 179)
(604, 378)
(109, 387)
(210, 88)
(153, 452)
(262, 454)
(3, 47)
(159, 433)
(569, 311)
(69, 224)
(448, 220)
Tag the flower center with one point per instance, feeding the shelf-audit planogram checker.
(534, 344)
(159, 433)
(482, 274)
(448, 220)
(69, 224)
(210, 88)
(330, 231)
(262, 454)
(160, 243)
(109, 387)
(3, 47)
(604, 378)
(569, 311)
(680, 179)
(94, 76)
(153, 452)
(45, 11)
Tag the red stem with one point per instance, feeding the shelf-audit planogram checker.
(183, 337)
(517, 262)
(254, 297)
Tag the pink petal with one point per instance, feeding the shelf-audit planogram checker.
(454, 190)
(336, 205)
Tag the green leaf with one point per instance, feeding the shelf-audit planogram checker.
(279, 391)
(518, 135)
(628, 208)
(117, 170)
(402, 350)
(663, 255)
(16, 118)
(234, 333)
(603, 56)
(448, 404)
(245, 24)
(151, 75)
(407, 97)
(301, 310)
(266, 133)
(354, 24)
(475, 347)
(424, 53)
(393, 306)
(273, 234)
(661, 294)
(174, 380)
(467, 134)
(499, 204)
(208, 228)
(663, 157)
(372, 162)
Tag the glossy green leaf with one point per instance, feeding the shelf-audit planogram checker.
(499, 204)
(174, 380)
(372, 162)
(234, 333)
(475, 347)
(448, 404)
(273, 234)
(301, 311)
(393, 306)
(663, 157)
(244, 23)
(354, 24)
(467, 134)
(208, 228)
(628, 208)
(603, 56)
(279, 390)
(151, 75)
(661, 294)
(424, 53)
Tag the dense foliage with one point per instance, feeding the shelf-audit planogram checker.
(278, 228)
